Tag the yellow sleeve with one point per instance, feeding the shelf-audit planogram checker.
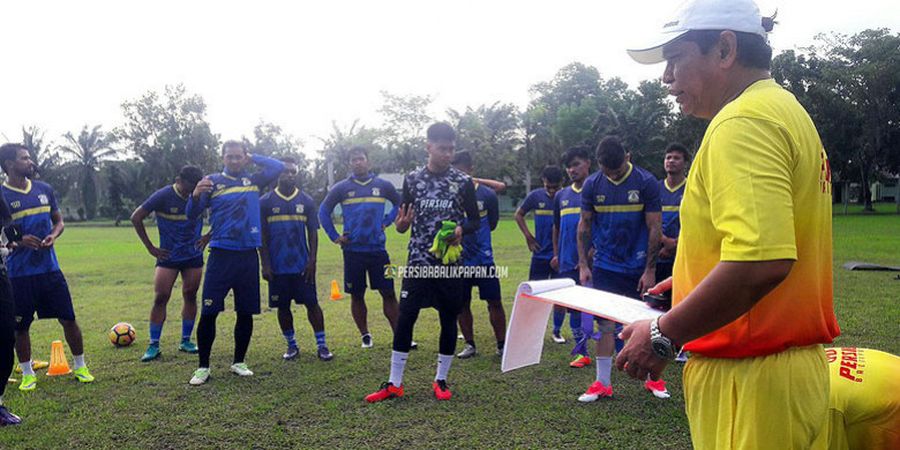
(747, 174)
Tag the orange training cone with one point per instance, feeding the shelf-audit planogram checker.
(335, 292)
(59, 365)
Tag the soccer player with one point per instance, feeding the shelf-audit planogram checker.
(38, 284)
(540, 244)
(864, 405)
(363, 197)
(233, 265)
(620, 219)
(671, 189)
(566, 213)
(180, 251)
(752, 299)
(478, 252)
(431, 195)
(288, 256)
(7, 320)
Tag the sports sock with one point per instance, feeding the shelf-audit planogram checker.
(320, 338)
(79, 361)
(575, 325)
(289, 337)
(559, 315)
(26, 368)
(398, 365)
(187, 328)
(500, 345)
(604, 367)
(472, 343)
(443, 367)
(155, 332)
(243, 331)
(206, 335)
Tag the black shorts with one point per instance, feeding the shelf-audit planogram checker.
(231, 270)
(488, 288)
(358, 264)
(193, 263)
(540, 269)
(438, 293)
(286, 287)
(47, 294)
(663, 270)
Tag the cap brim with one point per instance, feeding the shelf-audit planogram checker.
(653, 53)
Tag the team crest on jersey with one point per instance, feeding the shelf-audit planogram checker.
(276, 210)
(481, 205)
(299, 209)
(16, 204)
(634, 196)
(601, 198)
(565, 203)
(43, 199)
(541, 205)
(351, 194)
(376, 192)
(245, 181)
(173, 210)
(220, 186)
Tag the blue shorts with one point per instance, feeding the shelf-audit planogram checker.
(358, 264)
(617, 283)
(286, 287)
(488, 288)
(46, 293)
(231, 270)
(572, 275)
(663, 270)
(193, 263)
(540, 269)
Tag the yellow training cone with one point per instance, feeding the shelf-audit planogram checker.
(59, 364)
(335, 292)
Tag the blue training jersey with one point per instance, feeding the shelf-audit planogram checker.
(566, 213)
(363, 202)
(619, 229)
(477, 248)
(234, 205)
(177, 233)
(670, 199)
(540, 202)
(31, 209)
(286, 220)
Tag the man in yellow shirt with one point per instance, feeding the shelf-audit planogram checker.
(752, 297)
(864, 409)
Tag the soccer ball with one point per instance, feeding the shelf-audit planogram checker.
(121, 334)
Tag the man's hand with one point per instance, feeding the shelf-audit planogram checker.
(309, 274)
(554, 263)
(533, 245)
(204, 240)
(584, 274)
(204, 186)
(668, 247)
(158, 253)
(342, 240)
(48, 241)
(31, 241)
(637, 358)
(456, 238)
(404, 217)
(647, 281)
(267, 273)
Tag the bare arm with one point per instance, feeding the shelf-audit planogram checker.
(264, 255)
(654, 232)
(312, 237)
(56, 231)
(583, 237)
(523, 227)
(497, 186)
(137, 221)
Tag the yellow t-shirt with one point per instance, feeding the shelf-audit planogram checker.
(865, 399)
(760, 190)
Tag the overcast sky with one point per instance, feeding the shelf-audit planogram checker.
(303, 64)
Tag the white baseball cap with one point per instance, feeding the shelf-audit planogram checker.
(734, 15)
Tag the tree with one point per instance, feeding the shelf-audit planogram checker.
(89, 149)
(493, 135)
(49, 165)
(335, 161)
(168, 130)
(402, 137)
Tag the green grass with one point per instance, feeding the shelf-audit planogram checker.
(307, 403)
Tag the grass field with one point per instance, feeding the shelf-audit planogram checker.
(307, 403)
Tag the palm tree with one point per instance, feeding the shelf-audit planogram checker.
(89, 150)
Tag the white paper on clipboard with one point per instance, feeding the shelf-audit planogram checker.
(534, 304)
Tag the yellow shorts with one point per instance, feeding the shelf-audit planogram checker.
(777, 401)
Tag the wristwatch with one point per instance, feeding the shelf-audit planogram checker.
(662, 346)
